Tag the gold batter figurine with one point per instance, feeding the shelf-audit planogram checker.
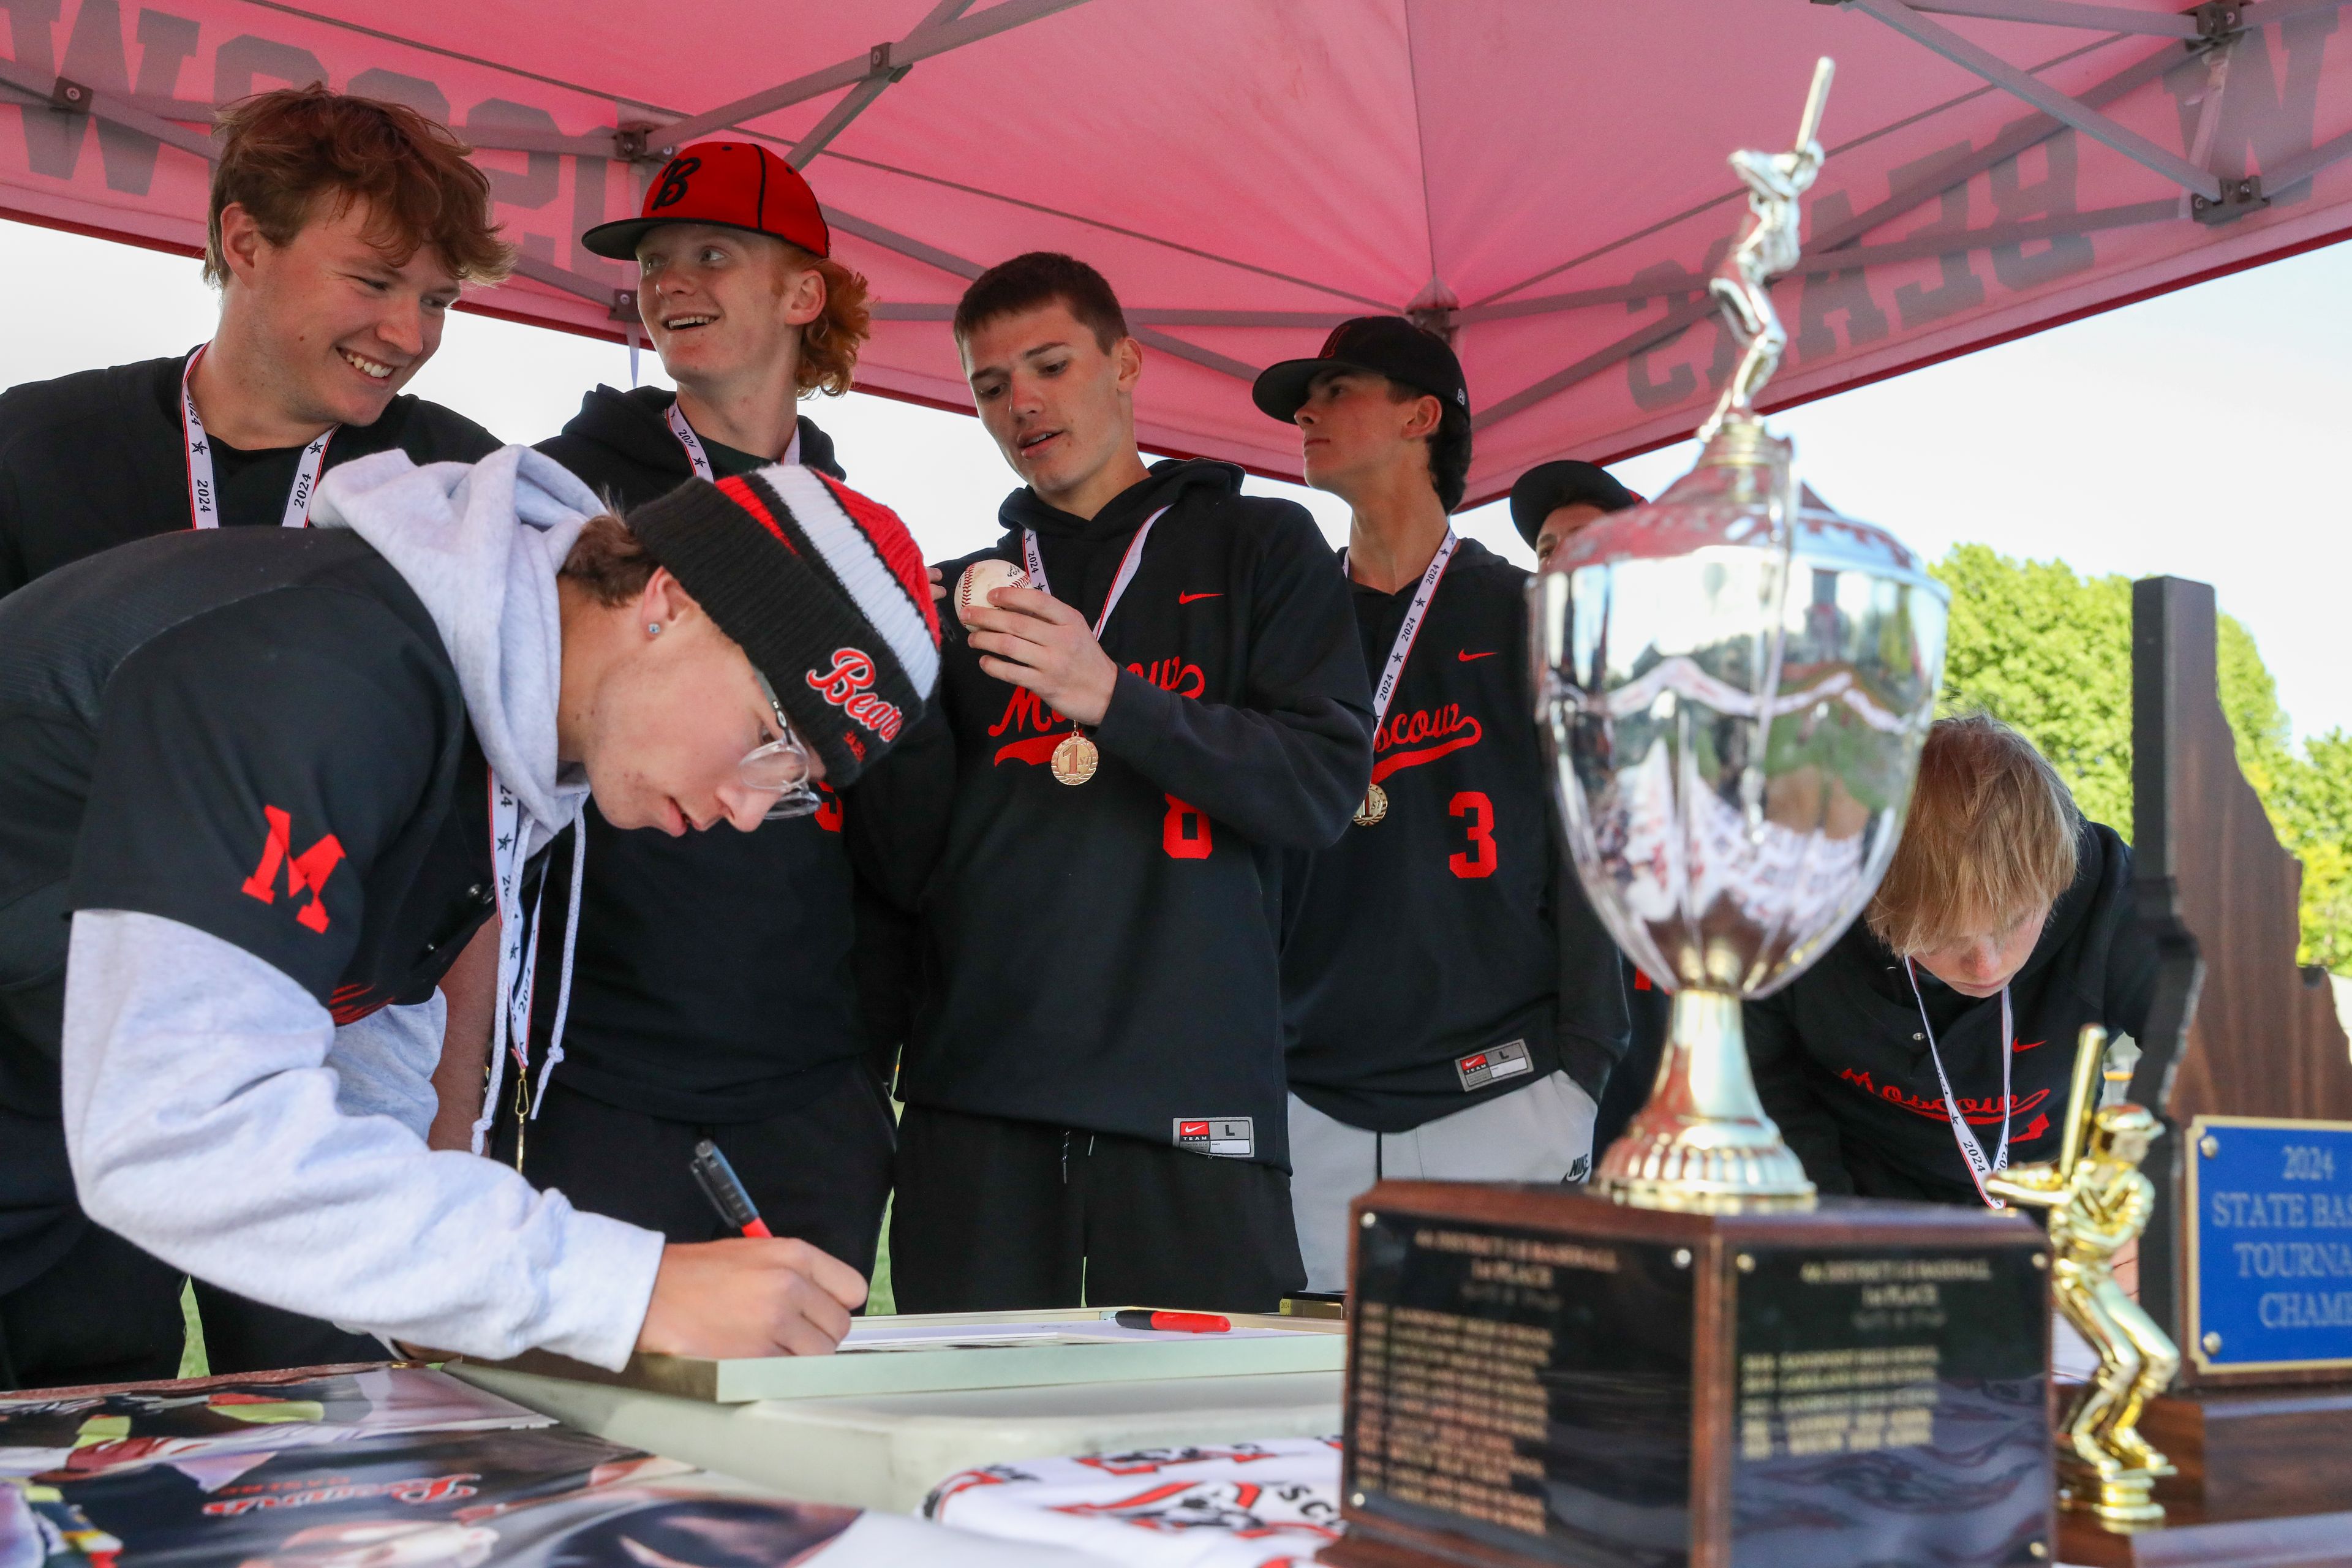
(2098, 1202)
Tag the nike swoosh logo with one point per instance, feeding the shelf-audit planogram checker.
(1467, 657)
(1188, 599)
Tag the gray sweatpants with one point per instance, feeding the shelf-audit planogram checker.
(1540, 1133)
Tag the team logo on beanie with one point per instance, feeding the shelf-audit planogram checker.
(846, 686)
(824, 590)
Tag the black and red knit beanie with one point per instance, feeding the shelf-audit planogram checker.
(822, 588)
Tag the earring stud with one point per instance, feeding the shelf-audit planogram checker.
(652, 628)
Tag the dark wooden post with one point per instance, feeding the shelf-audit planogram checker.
(2237, 1028)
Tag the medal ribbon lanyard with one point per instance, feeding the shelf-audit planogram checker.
(203, 497)
(518, 962)
(1375, 807)
(1128, 566)
(1415, 613)
(699, 461)
(696, 458)
(1970, 1150)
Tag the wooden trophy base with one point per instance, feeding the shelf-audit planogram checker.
(1540, 1376)
(2265, 1479)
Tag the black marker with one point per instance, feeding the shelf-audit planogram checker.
(717, 1179)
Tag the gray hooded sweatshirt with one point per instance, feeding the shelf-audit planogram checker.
(214, 1114)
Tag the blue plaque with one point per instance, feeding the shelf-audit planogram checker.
(2269, 1203)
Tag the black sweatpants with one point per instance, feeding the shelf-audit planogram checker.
(1000, 1216)
(820, 1171)
(107, 1312)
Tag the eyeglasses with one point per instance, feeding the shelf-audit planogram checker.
(783, 766)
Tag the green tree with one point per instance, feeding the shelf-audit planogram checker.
(2313, 806)
(2045, 651)
(2050, 652)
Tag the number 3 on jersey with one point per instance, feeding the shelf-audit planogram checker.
(1479, 814)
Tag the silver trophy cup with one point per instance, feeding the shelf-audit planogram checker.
(1734, 684)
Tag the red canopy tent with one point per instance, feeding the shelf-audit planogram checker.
(1544, 179)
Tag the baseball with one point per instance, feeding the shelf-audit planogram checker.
(980, 579)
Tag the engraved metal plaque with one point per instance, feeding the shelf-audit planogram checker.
(1528, 1390)
(2268, 1202)
(1890, 1402)
(1539, 1377)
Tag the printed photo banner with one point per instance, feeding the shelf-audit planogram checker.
(1250, 173)
(411, 1468)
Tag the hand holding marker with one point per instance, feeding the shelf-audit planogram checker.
(717, 1179)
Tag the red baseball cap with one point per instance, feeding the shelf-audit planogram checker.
(733, 184)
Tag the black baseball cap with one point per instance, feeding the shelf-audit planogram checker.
(1546, 487)
(1383, 345)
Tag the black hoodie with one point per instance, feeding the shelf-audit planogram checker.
(620, 443)
(1454, 926)
(1841, 1056)
(1104, 957)
(714, 979)
(98, 458)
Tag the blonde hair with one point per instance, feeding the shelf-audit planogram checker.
(1989, 839)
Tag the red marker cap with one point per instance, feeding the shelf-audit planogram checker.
(1173, 1322)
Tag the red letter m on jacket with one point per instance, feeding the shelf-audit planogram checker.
(307, 872)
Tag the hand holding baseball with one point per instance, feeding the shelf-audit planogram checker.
(1034, 639)
(980, 579)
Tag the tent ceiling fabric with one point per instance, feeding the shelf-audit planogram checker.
(1547, 177)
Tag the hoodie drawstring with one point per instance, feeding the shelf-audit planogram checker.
(564, 978)
(518, 954)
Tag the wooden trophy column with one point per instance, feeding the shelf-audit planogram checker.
(2264, 1453)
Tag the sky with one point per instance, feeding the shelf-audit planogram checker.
(2202, 434)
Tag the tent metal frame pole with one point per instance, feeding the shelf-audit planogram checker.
(520, 139)
(1845, 258)
(1593, 363)
(2270, 13)
(2303, 165)
(2067, 14)
(662, 141)
(1966, 166)
(1833, 250)
(1939, 39)
(859, 98)
(1321, 320)
(1827, 244)
(947, 261)
(67, 96)
(1958, 170)
(621, 304)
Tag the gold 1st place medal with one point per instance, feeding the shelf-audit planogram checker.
(1375, 807)
(1075, 760)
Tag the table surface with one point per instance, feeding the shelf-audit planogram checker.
(887, 1451)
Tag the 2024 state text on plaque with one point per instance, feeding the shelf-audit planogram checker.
(2270, 1244)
